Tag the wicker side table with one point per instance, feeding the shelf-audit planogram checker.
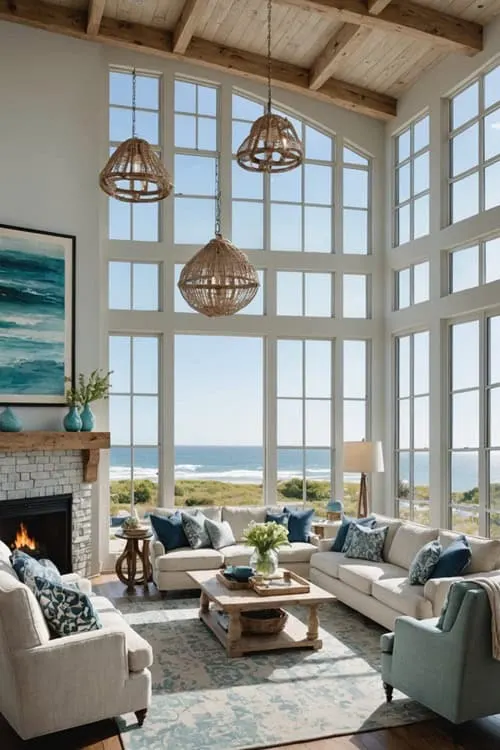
(126, 565)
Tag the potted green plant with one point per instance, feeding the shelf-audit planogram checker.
(90, 389)
(266, 538)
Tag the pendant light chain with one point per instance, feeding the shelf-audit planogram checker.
(269, 64)
(217, 199)
(134, 77)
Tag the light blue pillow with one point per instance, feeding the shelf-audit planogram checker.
(220, 533)
(66, 610)
(366, 543)
(195, 530)
(423, 563)
(27, 567)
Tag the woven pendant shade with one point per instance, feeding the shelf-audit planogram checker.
(135, 174)
(271, 146)
(219, 280)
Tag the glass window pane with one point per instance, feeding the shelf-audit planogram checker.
(318, 423)
(147, 127)
(248, 225)
(403, 145)
(355, 231)
(354, 420)
(119, 420)
(465, 198)
(421, 422)
(421, 134)
(289, 293)
(465, 150)
(207, 100)
(194, 175)
(317, 229)
(464, 478)
(421, 217)
(290, 421)
(119, 285)
(494, 422)
(494, 349)
(404, 366)
(403, 288)
(119, 363)
(421, 362)
(318, 369)
(492, 87)
(465, 106)
(147, 91)
(404, 424)
(120, 88)
(246, 184)
(494, 483)
(464, 268)
(465, 419)
(403, 183)
(492, 135)
(354, 296)
(145, 364)
(403, 225)
(420, 283)
(185, 96)
(318, 295)
(286, 227)
(180, 304)
(194, 220)
(145, 420)
(145, 286)
(287, 186)
(207, 134)
(290, 368)
(145, 223)
(492, 186)
(246, 109)
(120, 124)
(185, 131)
(318, 145)
(492, 260)
(421, 475)
(318, 184)
(465, 370)
(354, 369)
(465, 521)
(355, 188)
(421, 173)
(119, 214)
(352, 157)
(240, 132)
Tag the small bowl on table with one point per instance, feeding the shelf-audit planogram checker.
(240, 573)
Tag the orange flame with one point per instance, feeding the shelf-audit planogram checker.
(23, 539)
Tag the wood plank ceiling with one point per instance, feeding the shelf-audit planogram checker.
(359, 54)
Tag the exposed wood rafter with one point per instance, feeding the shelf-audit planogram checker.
(95, 14)
(184, 31)
(403, 17)
(154, 41)
(377, 6)
(343, 42)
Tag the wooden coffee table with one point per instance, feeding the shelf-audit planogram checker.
(294, 635)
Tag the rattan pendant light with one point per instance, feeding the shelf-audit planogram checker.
(219, 280)
(134, 173)
(272, 144)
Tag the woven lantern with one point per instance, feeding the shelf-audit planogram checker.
(219, 280)
(272, 144)
(134, 173)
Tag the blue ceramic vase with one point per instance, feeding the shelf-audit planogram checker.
(88, 419)
(72, 421)
(9, 422)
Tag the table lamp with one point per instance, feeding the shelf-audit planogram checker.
(363, 456)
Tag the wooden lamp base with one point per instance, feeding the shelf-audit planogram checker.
(363, 497)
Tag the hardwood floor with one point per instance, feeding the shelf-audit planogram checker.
(483, 734)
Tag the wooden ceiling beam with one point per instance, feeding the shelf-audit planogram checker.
(377, 6)
(154, 41)
(343, 42)
(94, 16)
(403, 17)
(184, 31)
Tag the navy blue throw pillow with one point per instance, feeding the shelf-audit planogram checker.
(339, 541)
(453, 560)
(281, 518)
(299, 524)
(169, 531)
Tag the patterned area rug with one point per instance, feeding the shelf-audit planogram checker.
(202, 700)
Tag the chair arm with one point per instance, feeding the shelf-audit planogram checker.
(324, 545)
(420, 640)
(436, 590)
(314, 539)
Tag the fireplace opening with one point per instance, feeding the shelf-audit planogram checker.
(40, 526)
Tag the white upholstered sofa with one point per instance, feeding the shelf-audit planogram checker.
(381, 590)
(170, 568)
(47, 685)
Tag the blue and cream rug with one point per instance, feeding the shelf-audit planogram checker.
(202, 700)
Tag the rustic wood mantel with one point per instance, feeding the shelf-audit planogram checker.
(89, 443)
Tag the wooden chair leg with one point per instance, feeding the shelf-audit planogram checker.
(141, 715)
(388, 692)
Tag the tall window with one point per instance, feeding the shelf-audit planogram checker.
(475, 147)
(411, 189)
(411, 285)
(304, 421)
(475, 437)
(474, 265)
(307, 294)
(355, 401)
(356, 203)
(136, 221)
(134, 423)
(412, 427)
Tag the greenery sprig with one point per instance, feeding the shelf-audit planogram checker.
(266, 536)
(95, 387)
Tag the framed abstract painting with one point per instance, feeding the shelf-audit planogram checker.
(37, 315)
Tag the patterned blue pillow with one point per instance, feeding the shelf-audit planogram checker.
(423, 563)
(195, 530)
(66, 610)
(340, 539)
(28, 567)
(220, 533)
(366, 543)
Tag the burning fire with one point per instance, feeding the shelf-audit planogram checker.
(23, 539)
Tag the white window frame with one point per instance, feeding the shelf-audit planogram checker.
(411, 269)
(396, 166)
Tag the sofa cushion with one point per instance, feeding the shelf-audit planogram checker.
(139, 652)
(328, 562)
(393, 525)
(195, 531)
(220, 533)
(237, 554)
(181, 560)
(398, 594)
(424, 562)
(297, 552)
(362, 573)
(340, 539)
(241, 517)
(408, 539)
(65, 609)
(454, 560)
(485, 553)
(299, 524)
(210, 511)
(169, 530)
(21, 619)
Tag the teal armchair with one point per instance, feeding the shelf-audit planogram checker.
(449, 670)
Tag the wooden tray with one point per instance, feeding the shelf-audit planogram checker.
(297, 585)
(233, 585)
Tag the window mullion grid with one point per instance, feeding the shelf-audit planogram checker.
(481, 155)
(396, 430)
(483, 424)
(333, 437)
(411, 417)
(131, 417)
(412, 197)
(304, 494)
(338, 200)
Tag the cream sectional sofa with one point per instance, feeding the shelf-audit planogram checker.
(170, 568)
(381, 590)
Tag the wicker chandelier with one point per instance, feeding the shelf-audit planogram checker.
(219, 280)
(272, 144)
(133, 172)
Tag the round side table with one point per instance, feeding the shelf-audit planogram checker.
(126, 565)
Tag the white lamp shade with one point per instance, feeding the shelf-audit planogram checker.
(363, 456)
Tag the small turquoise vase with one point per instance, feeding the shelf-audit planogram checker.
(88, 419)
(9, 422)
(72, 421)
